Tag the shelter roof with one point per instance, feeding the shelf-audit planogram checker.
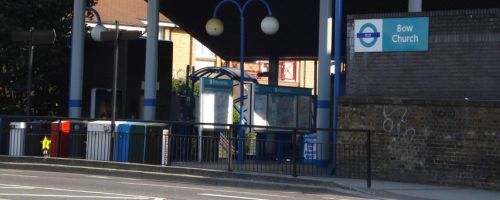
(221, 72)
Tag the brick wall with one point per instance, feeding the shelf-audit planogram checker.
(182, 55)
(306, 74)
(462, 61)
(432, 141)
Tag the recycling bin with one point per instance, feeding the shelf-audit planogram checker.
(137, 142)
(59, 136)
(72, 142)
(99, 140)
(125, 151)
(36, 131)
(4, 136)
(16, 138)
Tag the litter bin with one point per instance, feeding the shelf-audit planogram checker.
(77, 138)
(16, 138)
(156, 143)
(99, 140)
(36, 131)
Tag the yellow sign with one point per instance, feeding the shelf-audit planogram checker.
(45, 143)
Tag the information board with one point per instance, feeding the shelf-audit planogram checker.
(282, 107)
(216, 103)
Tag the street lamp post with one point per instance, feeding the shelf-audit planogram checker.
(215, 27)
(99, 33)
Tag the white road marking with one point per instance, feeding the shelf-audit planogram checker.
(16, 187)
(70, 196)
(19, 175)
(226, 196)
(11, 170)
(340, 198)
(82, 191)
(100, 177)
(205, 189)
(129, 179)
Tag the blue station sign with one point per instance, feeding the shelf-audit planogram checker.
(217, 85)
(391, 34)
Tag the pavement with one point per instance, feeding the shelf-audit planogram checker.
(357, 187)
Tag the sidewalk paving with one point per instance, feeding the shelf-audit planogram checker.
(420, 191)
(386, 190)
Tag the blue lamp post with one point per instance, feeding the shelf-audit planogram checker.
(215, 27)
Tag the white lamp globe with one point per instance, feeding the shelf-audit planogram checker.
(214, 27)
(270, 25)
(96, 32)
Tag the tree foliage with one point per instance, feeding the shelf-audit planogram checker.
(51, 62)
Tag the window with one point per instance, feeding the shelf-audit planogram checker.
(288, 71)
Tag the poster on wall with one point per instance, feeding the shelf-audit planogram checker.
(260, 110)
(305, 112)
(282, 111)
(215, 103)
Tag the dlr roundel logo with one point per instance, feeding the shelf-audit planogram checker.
(368, 35)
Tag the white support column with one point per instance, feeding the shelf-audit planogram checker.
(77, 47)
(151, 61)
(414, 5)
(324, 55)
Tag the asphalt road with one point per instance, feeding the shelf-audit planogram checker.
(23, 184)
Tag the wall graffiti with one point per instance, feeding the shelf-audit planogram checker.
(448, 112)
(396, 123)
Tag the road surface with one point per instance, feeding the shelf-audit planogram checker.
(23, 184)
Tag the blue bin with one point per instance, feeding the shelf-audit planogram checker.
(122, 142)
(130, 142)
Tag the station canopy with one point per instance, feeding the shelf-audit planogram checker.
(297, 37)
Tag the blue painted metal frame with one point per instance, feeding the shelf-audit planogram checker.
(242, 9)
(92, 10)
(216, 72)
(338, 63)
